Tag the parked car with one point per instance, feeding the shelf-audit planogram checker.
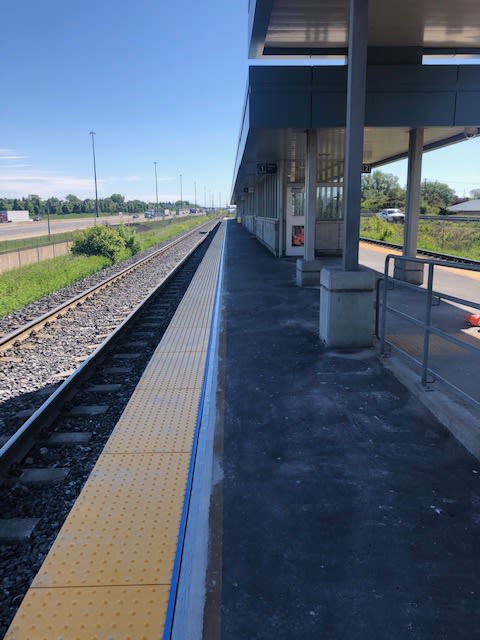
(37, 218)
(392, 215)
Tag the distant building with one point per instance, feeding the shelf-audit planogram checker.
(468, 208)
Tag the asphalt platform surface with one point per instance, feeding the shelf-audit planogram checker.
(346, 510)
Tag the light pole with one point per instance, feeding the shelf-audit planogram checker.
(92, 133)
(195, 187)
(156, 188)
(181, 195)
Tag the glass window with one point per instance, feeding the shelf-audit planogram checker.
(266, 197)
(329, 202)
(298, 202)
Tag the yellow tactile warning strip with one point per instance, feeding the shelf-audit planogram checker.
(167, 409)
(109, 573)
(120, 530)
(134, 613)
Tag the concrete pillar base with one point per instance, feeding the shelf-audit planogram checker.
(411, 272)
(347, 314)
(308, 273)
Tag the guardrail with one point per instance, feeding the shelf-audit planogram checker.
(431, 298)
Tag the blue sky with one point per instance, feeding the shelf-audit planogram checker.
(457, 165)
(157, 81)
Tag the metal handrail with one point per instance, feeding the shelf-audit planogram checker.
(428, 329)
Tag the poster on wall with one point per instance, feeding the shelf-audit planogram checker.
(298, 235)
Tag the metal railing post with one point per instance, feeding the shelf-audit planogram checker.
(424, 323)
(383, 323)
(426, 329)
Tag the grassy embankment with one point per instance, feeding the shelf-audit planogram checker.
(19, 287)
(452, 238)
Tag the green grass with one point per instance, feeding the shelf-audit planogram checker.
(19, 287)
(27, 284)
(453, 238)
(158, 231)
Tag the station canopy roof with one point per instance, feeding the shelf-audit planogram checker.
(401, 32)
(319, 27)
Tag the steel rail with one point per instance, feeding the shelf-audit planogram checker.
(24, 331)
(424, 252)
(21, 441)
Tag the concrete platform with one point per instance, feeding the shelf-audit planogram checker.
(344, 510)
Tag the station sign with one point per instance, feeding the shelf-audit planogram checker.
(266, 167)
(248, 189)
(366, 168)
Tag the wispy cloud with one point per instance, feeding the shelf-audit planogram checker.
(18, 179)
(46, 179)
(15, 166)
(10, 154)
(15, 183)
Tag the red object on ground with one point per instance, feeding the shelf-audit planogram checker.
(473, 320)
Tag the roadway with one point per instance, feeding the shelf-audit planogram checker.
(22, 230)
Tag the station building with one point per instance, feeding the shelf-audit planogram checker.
(377, 89)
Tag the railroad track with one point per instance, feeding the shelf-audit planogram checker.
(45, 356)
(431, 254)
(45, 466)
(37, 323)
(37, 357)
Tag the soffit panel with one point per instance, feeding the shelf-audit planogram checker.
(317, 24)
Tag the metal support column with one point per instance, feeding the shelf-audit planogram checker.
(357, 69)
(411, 271)
(346, 296)
(414, 177)
(310, 194)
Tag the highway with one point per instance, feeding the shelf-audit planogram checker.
(22, 230)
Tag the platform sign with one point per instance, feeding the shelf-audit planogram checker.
(266, 167)
(366, 168)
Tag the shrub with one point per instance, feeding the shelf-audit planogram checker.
(99, 241)
(130, 238)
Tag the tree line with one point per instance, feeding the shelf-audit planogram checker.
(382, 190)
(379, 191)
(113, 204)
